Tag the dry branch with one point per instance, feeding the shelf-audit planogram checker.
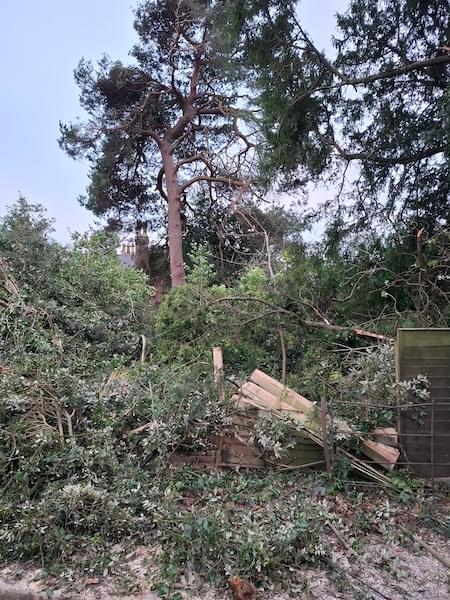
(304, 322)
(440, 557)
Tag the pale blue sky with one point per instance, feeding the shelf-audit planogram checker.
(41, 43)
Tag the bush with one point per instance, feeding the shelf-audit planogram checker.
(236, 525)
(86, 429)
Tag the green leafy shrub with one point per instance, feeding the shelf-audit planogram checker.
(85, 429)
(237, 525)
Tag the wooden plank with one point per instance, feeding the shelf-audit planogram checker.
(218, 381)
(218, 373)
(235, 455)
(204, 461)
(253, 391)
(386, 435)
(253, 395)
(277, 389)
(296, 416)
(240, 450)
(242, 434)
(299, 456)
(230, 438)
(245, 417)
(386, 456)
(243, 429)
(192, 459)
(303, 444)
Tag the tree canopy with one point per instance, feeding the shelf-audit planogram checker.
(162, 123)
(164, 132)
(373, 120)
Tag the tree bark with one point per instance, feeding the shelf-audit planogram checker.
(177, 273)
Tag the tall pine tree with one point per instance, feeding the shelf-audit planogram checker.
(163, 124)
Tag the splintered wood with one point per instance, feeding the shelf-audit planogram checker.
(235, 446)
(265, 393)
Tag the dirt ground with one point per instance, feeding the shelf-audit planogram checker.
(381, 569)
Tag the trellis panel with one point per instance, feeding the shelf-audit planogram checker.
(425, 430)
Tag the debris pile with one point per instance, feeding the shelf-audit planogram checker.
(310, 433)
(265, 393)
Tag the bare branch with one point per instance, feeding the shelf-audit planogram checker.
(191, 159)
(383, 160)
(214, 179)
(304, 322)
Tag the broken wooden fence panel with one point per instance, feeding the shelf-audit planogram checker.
(266, 393)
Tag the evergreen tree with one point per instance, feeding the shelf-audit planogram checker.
(162, 124)
(381, 107)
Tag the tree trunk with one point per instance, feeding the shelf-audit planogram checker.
(177, 274)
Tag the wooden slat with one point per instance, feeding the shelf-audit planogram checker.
(282, 392)
(218, 372)
(386, 456)
(257, 393)
(253, 395)
(261, 397)
(239, 450)
(386, 435)
(243, 433)
(253, 391)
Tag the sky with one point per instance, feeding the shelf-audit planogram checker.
(41, 44)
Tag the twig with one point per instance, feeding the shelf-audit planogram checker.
(340, 538)
(360, 581)
(283, 355)
(143, 348)
(69, 423)
(442, 559)
(323, 423)
(60, 426)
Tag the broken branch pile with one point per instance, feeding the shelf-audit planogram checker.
(265, 393)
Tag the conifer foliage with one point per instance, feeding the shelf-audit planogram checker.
(162, 123)
(373, 119)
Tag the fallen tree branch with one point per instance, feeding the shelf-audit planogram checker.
(304, 322)
(444, 560)
(340, 538)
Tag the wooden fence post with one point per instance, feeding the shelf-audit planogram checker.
(218, 373)
(218, 381)
(326, 441)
